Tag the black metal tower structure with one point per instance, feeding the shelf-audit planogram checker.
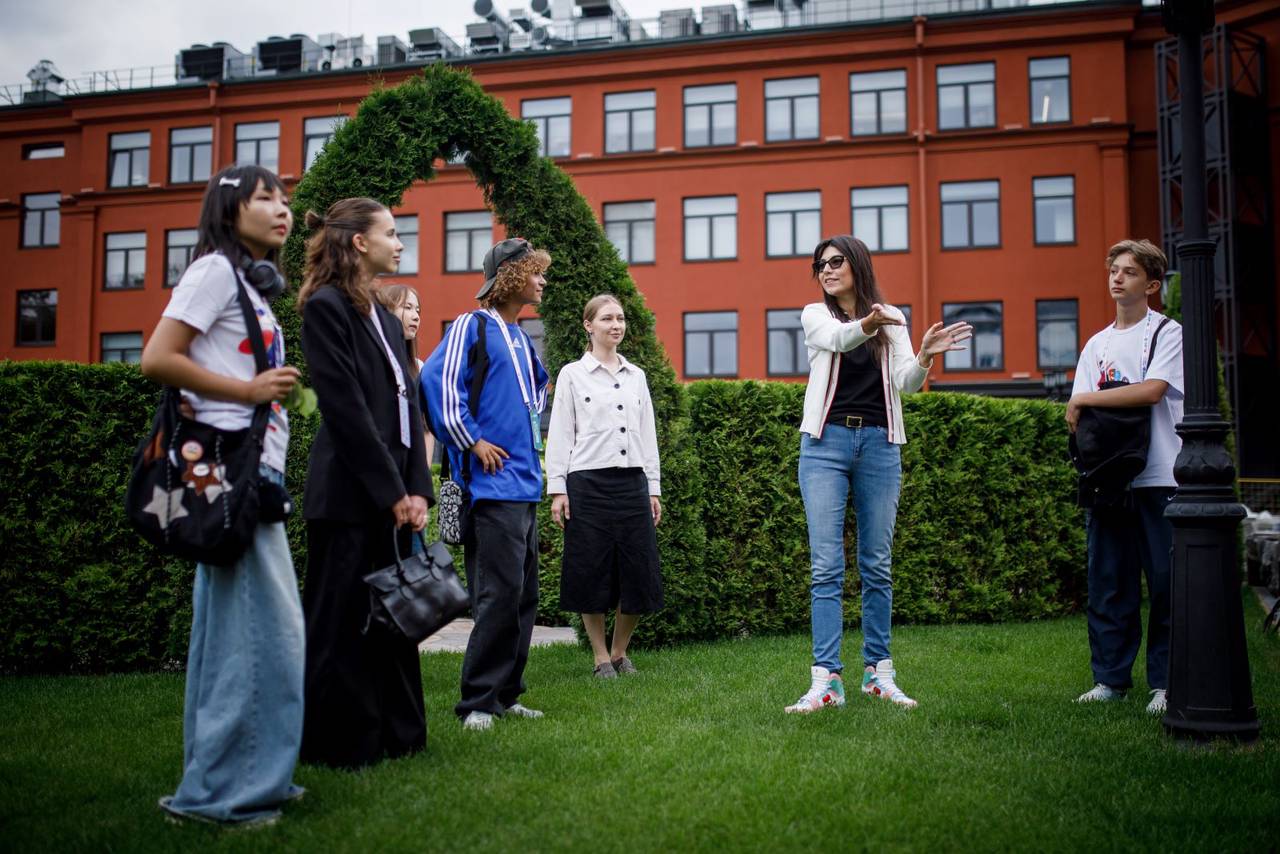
(1238, 181)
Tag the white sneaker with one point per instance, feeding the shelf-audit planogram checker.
(1159, 702)
(521, 711)
(478, 721)
(825, 689)
(881, 683)
(1101, 694)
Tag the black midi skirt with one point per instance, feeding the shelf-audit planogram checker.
(610, 544)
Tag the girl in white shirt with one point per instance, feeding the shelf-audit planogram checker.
(603, 477)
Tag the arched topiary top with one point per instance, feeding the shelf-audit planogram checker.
(396, 137)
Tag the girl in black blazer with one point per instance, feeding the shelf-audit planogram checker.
(367, 483)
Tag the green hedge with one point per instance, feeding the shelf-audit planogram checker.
(987, 529)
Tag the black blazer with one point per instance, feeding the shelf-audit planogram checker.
(359, 468)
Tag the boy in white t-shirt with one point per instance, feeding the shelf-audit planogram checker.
(1124, 540)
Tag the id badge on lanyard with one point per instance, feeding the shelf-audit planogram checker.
(526, 392)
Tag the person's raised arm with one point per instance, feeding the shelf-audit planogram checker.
(166, 360)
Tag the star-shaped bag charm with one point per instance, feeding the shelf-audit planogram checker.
(166, 505)
(207, 479)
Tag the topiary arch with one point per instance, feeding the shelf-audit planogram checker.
(394, 139)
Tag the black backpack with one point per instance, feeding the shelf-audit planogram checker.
(1109, 447)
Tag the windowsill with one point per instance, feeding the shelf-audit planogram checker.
(42, 246)
(35, 345)
(983, 370)
(689, 376)
(1057, 243)
(888, 134)
(1062, 123)
(906, 251)
(709, 260)
(639, 263)
(110, 290)
(711, 145)
(794, 139)
(769, 257)
(966, 127)
(970, 248)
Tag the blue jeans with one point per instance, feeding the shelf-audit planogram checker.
(242, 719)
(865, 461)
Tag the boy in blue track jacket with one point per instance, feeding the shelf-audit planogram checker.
(500, 434)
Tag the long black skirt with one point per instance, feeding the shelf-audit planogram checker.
(610, 544)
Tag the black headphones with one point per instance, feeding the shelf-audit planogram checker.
(264, 276)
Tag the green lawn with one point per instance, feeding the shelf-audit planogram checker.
(694, 753)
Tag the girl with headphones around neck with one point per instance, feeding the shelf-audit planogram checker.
(367, 485)
(242, 724)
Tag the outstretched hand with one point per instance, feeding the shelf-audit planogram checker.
(940, 339)
(877, 317)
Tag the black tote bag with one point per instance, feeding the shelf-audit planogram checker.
(416, 596)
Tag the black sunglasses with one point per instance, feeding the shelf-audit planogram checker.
(836, 262)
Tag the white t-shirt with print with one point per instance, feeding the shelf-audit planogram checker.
(205, 299)
(1119, 354)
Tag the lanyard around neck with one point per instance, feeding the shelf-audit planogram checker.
(525, 391)
(1146, 343)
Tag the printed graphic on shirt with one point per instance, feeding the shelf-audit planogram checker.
(271, 341)
(1111, 372)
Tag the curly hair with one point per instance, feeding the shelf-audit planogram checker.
(512, 277)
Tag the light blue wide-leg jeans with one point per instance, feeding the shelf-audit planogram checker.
(242, 721)
(861, 461)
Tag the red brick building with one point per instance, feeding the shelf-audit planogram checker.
(991, 157)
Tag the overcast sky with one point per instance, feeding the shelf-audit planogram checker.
(97, 35)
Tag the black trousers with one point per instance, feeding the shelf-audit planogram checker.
(363, 691)
(1123, 543)
(501, 548)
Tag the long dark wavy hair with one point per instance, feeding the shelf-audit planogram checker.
(332, 258)
(866, 291)
(224, 195)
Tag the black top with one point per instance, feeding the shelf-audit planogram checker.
(859, 390)
(359, 467)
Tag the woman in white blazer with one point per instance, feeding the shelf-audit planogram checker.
(860, 361)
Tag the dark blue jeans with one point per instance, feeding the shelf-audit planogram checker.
(1125, 542)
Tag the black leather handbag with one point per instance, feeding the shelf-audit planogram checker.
(195, 490)
(416, 596)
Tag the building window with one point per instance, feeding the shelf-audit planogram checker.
(1057, 334)
(791, 109)
(40, 222)
(1055, 201)
(1050, 90)
(970, 214)
(793, 223)
(711, 344)
(467, 236)
(906, 313)
(37, 318)
(630, 225)
(129, 162)
(550, 116)
(407, 231)
(122, 347)
(788, 356)
(190, 155)
(258, 143)
(629, 121)
(880, 217)
(710, 115)
(711, 228)
(316, 133)
(44, 151)
(537, 333)
(986, 350)
(179, 244)
(878, 102)
(967, 96)
(126, 260)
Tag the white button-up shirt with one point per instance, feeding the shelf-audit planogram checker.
(601, 419)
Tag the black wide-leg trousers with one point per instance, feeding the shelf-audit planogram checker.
(363, 690)
(501, 547)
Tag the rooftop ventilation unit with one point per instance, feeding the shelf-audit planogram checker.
(490, 35)
(283, 56)
(392, 51)
(602, 21)
(431, 43)
(45, 81)
(211, 62)
(343, 52)
(719, 19)
(677, 23)
(772, 14)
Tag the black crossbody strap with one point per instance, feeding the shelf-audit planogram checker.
(1151, 354)
(253, 329)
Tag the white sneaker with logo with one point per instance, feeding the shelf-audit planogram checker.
(825, 689)
(1159, 702)
(881, 682)
(520, 710)
(1101, 694)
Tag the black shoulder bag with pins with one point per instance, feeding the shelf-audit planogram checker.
(195, 491)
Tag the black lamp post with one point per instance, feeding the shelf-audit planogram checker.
(1210, 693)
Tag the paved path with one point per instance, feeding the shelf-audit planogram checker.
(453, 637)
